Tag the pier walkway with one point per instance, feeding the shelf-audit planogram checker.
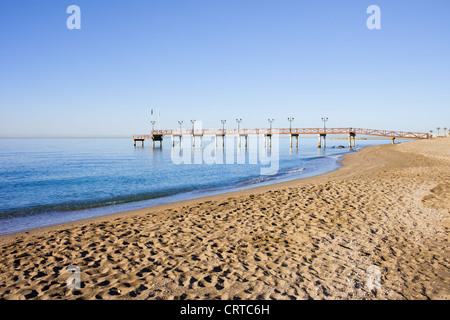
(157, 135)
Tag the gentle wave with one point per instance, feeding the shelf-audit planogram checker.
(45, 181)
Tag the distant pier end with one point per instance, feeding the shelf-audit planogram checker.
(154, 137)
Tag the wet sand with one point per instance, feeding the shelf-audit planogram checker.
(377, 228)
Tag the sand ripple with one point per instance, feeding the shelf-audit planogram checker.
(383, 215)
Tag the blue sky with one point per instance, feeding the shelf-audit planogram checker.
(221, 59)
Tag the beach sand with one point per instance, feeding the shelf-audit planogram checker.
(376, 228)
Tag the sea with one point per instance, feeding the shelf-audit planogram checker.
(49, 181)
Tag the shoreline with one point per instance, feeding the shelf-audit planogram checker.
(144, 204)
(5, 238)
(384, 213)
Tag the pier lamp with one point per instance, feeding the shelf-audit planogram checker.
(324, 119)
(180, 123)
(153, 125)
(290, 124)
(193, 122)
(270, 123)
(238, 122)
(223, 125)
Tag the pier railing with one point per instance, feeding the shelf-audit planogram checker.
(292, 131)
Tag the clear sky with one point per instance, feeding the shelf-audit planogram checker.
(222, 59)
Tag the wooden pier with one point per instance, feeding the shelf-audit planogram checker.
(157, 135)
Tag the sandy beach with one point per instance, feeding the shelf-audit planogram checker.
(376, 228)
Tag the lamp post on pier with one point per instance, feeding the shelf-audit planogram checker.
(290, 123)
(223, 133)
(290, 119)
(173, 142)
(269, 134)
(324, 134)
(270, 124)
(239, 129)
(324, 120)
(223, 125)
(239, 123)
(193, 135)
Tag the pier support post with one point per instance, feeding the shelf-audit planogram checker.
(322, 135)
(350, 136)
(174, 137)
(240, 136)
(200, 136)
(295, 136)
(268, 136)
(155, 137)
(136, 140)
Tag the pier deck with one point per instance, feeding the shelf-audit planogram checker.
(157, 135)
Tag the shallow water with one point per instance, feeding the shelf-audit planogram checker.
(50, 181)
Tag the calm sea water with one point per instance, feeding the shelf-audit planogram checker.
(49, 181)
